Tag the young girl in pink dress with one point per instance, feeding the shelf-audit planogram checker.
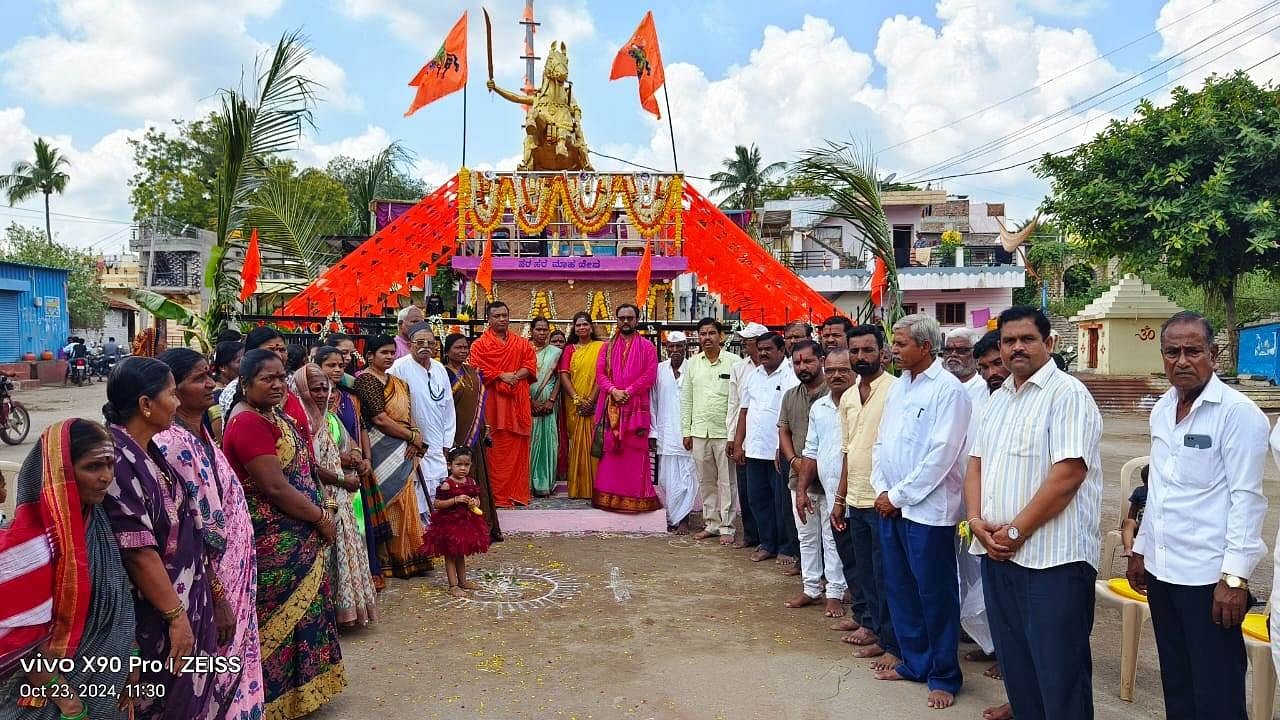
(458, 527)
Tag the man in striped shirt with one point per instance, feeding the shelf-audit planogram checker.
(1033, 493)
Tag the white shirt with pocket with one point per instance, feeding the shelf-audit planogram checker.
(762, 399)
(1205, 505)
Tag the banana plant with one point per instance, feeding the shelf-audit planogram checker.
(162, 308)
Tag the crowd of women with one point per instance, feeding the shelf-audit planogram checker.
(247, 507)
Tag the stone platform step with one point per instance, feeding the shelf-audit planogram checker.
(583, 520)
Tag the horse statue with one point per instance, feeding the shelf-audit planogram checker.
(553, 126)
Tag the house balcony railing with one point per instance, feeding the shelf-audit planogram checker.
(804, 259)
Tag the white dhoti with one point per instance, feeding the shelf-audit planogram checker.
(973, 607)
(678, 481)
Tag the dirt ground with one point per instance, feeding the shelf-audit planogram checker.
(610, 626)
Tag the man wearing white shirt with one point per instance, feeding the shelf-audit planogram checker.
(737, 383)
(1201, 534)
(917, 473)
(756, 445)
(824, 458)
(431, 403)
(676, 471)
(1034, 496)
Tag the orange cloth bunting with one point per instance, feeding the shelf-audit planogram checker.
(879, 282)
(252, 268)
(642, 276)
(484, 273)
(446, 72)
(641, 57)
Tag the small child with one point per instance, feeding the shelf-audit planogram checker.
(458, 527)
(1137, 505)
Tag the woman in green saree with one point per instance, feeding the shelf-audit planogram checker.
(545, 392)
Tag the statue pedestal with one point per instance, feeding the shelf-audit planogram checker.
(558, 287)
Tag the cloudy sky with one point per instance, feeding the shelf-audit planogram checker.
(937, 88)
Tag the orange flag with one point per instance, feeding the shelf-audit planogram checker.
(879, 282)
(484, 273)
(640, 57)
(252, 268)
(642, 277)
(446, 72)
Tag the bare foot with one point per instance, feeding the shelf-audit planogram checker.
(800, 601)
(761, 555)
(468, 585)
(994, 673)
(834, 608)
(457, 592)
(941, 699)
(866, 652)
(890, 674)
(727, 540)
(847, 625)
(861, 636)
(791, 571)
(998, 712)
(703, 535)
(786, 560)
(741, 545)
(887, 661)
(682, 527)
(979, 656)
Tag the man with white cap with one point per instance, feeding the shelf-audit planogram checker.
(737, 380)
(677, 478)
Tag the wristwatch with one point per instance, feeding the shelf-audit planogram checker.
(1014, 534)
(1235, 582)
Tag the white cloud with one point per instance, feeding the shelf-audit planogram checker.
(97, 187)
(1260, 39)
(424, 28)
(365, 145)
(1066, 8)
(143, 58)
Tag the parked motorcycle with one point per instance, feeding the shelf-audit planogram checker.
(80, 373)
(15, 423)
(100, 365)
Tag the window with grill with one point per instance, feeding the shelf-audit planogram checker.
(910, 308)
(950, 313)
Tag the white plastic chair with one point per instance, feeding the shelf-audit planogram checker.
(1114, 591)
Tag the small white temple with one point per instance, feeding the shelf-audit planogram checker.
(1119, 333)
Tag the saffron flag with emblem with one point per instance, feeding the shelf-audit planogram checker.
(641, 57)
(252, 267)
(445, 72)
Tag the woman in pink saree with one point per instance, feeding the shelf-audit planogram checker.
(626, 371)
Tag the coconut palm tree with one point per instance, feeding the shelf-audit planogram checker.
(854, 187)
(743, 176)
(45, 175)
(253, 125)
(377, 170)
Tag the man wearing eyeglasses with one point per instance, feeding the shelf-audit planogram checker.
(431, 401)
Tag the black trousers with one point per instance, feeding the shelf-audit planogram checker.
(848, 559)
(1040, 622)
(1202, 665)
(750, 533)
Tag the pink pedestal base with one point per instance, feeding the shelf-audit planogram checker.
(589, 520)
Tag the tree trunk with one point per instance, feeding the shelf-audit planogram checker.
(47, 229)
(1233, 332)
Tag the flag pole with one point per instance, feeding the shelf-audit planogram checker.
(464, 124)
(670, 126)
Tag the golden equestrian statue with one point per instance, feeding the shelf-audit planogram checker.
(553, 128)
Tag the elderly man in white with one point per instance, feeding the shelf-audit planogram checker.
(431, 402)
(917, 471)
(1201, 534)
(677, 476)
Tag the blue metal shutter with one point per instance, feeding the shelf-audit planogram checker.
(10, 341)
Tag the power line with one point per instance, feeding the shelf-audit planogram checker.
(1115, 90)
(1033, 88)
(83, 218)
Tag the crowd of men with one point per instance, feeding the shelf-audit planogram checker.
(962, 497)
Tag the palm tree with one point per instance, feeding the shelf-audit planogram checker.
(253, 126)
(743, 176)
(45, 175)
(377, 171)
(854, 187)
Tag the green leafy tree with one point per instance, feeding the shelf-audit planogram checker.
(177, 174)
(744, 177)
(1192, 187)
(381, 176)
(86, 300)
(292, 212)
(45, 175)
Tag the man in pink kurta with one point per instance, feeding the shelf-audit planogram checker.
(626, 371)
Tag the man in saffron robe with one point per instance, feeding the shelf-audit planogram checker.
(507, 363)
(626, 371)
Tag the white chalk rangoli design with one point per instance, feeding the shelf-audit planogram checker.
(515, 589)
